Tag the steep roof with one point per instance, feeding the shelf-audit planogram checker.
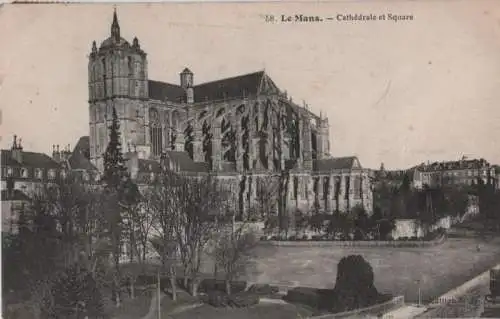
(335, 163)
(80, 157)
(165, 91)
(29, 159)
(233, 87)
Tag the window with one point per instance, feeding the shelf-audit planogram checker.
(39, 173)
(326, 186)
(155, 132)
(347, 187)
(24, 173)
(63, 174)
(52, 174)
(9, 171)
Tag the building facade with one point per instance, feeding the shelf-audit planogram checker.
(25, 173)
(461, 172)
(242, 129)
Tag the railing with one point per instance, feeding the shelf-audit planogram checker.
(354, 243)
(375, 310)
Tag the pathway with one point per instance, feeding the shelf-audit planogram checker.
(153, 308)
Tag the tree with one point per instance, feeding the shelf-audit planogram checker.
(201, 200)
(300, 222)
(114, 163)
(361, 222)
(130, 202)
(354, 286)
(232, 252)
(55, 233)
(163, 202)
(114, 178)
(75, 294)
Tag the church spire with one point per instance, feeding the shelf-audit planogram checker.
(115, 27)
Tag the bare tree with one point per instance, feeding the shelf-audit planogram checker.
(162, 204)
(201, 200)
(232, 252)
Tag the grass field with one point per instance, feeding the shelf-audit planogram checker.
(397, 270)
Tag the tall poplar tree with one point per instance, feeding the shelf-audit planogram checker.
(114, 163)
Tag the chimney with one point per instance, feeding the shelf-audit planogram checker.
(56, 154)
(65, 154)
(17, 150)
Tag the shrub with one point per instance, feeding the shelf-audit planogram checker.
(211, 284)
(316, 237)
(414, 238)
(217, 299)
(274, 237)
(263, 238)
(354, 286)
(263, 289)
(303, 295)
(243, 299)
(292, 238)
(305, 237)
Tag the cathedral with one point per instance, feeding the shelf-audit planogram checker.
(243, 129)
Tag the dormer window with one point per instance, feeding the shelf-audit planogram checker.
(52, 174)
(39, 173)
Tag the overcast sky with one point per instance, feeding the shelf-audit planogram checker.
(395, 92)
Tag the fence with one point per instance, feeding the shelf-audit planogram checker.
(353, 243)
(374, 310)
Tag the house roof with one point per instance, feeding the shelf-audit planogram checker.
(186, 164)
(335, 163)
(148, 166)
(80, 157)
(454, 165)
(29, 159)
(233, 87)
(15, 195)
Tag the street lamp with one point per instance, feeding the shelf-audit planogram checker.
(419, 294)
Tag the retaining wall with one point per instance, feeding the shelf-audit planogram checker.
(374, 310)
(450, 296)
(349, 243)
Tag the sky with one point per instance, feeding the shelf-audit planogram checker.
(400, 93)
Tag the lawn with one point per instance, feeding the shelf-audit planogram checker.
(398, 271)
(129, 308)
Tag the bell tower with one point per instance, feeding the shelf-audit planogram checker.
(117, 77)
